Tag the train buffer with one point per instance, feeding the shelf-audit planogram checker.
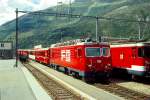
(18, 83)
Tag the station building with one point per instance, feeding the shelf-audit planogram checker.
(6, 50)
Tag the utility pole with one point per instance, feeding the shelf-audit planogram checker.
(60, 4)
(97, 19)
(139, 27)
(61, 36)
(69, 9)
(139, 31)
(16, 37)
(58, 11)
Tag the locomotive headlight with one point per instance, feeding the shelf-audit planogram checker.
(109, 64)
(147, 63)
(99, 61)
(89, 66)
(106, 67)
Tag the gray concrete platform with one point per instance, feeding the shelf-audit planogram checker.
(87, 91)
(140, 87)
(14, 84)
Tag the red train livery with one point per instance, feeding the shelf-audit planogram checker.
(85, 59)
(135, 58)
(79, 58)
(31, 55)
(42, 55)
(23, 55)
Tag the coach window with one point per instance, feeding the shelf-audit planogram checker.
(106, 52)
(79, 52)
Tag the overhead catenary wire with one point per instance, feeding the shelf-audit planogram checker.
(81, 16)
(70, 15)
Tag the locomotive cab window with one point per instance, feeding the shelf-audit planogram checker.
(147, 52)
(140, 52)
(106, 51)
(144, 52)
(93, 52)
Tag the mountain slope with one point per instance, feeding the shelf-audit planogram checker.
(40, 29)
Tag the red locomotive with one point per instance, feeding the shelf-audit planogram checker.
(85, 59)
(134, 58)
(79, 58)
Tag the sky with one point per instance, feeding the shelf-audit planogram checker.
(7, 7)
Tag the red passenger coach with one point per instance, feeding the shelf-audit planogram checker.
(43, 55)
(135, 58)
(84, 59)
(23, 54)
(32, 54)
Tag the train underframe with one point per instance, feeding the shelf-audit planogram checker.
(90, 76)
(23, 58)
(130, 74)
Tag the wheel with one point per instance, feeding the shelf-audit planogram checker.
(87, 80)
(77, 75)
(134, 77)
(66, 71)
(57, 68)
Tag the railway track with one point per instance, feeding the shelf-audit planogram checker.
(123, 92)
(53, 88)
(58, 92)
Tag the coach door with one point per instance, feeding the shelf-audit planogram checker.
(79, 54)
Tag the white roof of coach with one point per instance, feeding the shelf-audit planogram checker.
(131, 45)
(41, 49)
